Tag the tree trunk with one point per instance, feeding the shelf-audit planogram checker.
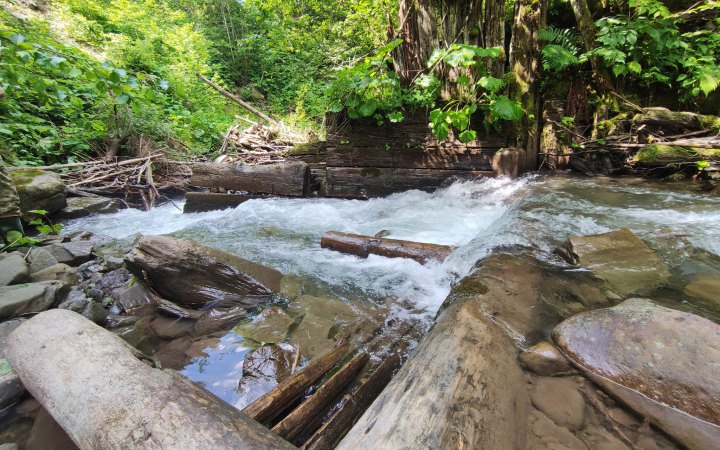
(587, 30)
(530, 17)
(91, 382)
(494, 26)
(418, 31)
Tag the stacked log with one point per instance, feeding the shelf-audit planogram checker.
(290, 179)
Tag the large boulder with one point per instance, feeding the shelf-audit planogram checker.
(13, 269)
(39, 189)
(193, 275)
(85, 206)
(661, 362)
(30, 297)
(625, 262)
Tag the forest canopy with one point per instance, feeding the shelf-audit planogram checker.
(82, 77)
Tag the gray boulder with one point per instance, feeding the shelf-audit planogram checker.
(85, 206)
(72, 253)
(40, 259)
(29, 297)
(13, 269)
(660, 362)
(38, 189)
(59, 272)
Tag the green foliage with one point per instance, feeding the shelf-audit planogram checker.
(561, 48)
(43, 224)
(16, 239)
(650, 47)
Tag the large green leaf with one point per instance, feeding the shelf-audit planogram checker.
(504, 108)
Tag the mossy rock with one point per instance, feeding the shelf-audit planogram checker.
(39, 189)
(661, 154)
(710, 123)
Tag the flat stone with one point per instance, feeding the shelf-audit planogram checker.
(545, 359)
(323, 321)
(660, 362)
(30, 297)
(85, 206)
(75, 300)
(271, 326)
(72, 253)
(561, 401)
(13, 269)
(6, 328)
(40, 258)
(133, 297)
(627, 264)
(59, 272)
(705, 287)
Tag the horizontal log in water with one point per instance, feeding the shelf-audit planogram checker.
(104, 397)
(205, 201)
(362, 246)
(272, 404)
(287, 178)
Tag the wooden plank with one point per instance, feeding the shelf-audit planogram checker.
(368, 182)
(478, 158)
(270, 405)
(310, 413)
(286, 178)
(205, 201)
(103, 396)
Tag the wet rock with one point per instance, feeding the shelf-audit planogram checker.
(194, 275)
(59, 272)
(169, 308)
(133, 297)
(168, 328)
(30, 297)
(72, 253)
(627, 264)
(116, 248)
(95, 312)
(13, 269)
(75, 300)
(218, 319)
(545, 434)
(40, 259)
(38, 189)
(545, 359)
(46, 434)
(198, 349)
(269, 327)
(10, 386)
(85, 206)
(263, 369)
(9, 446)
(560, 400)
(661, 362)
(119, 320)
(705, 287)
(109, 282)
(322, 322)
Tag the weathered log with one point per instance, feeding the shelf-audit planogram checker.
(287, 178)
(310, 412)
(104, 397)
(362, 246)
(203, 201)
(353, 405)
(412, 158)
(663, 117)
(451, 394)
(368, 182)
(270, 405)
(193, 275)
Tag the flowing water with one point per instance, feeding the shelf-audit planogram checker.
(539, 213)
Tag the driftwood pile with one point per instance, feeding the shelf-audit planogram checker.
(257, 144)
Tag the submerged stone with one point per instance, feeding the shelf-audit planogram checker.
(625, 262)
(323, 321)
(560, 400)
(660, 362)
(270, 326)
(705, 287)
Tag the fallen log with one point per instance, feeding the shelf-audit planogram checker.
(291, 179)
(237, 100)
(310, 412)
(353, 405)
(451, 394)
(193, 275)
(90, 381)
(362, 246)
(272, 404)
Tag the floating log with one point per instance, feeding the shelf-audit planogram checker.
(272, 404)
(353, 405)
(310, 412)
(90, 381)
(287, 178)
(362, 246)
(204, 201)
(193, 275)
(461, 388)
(368, 182)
